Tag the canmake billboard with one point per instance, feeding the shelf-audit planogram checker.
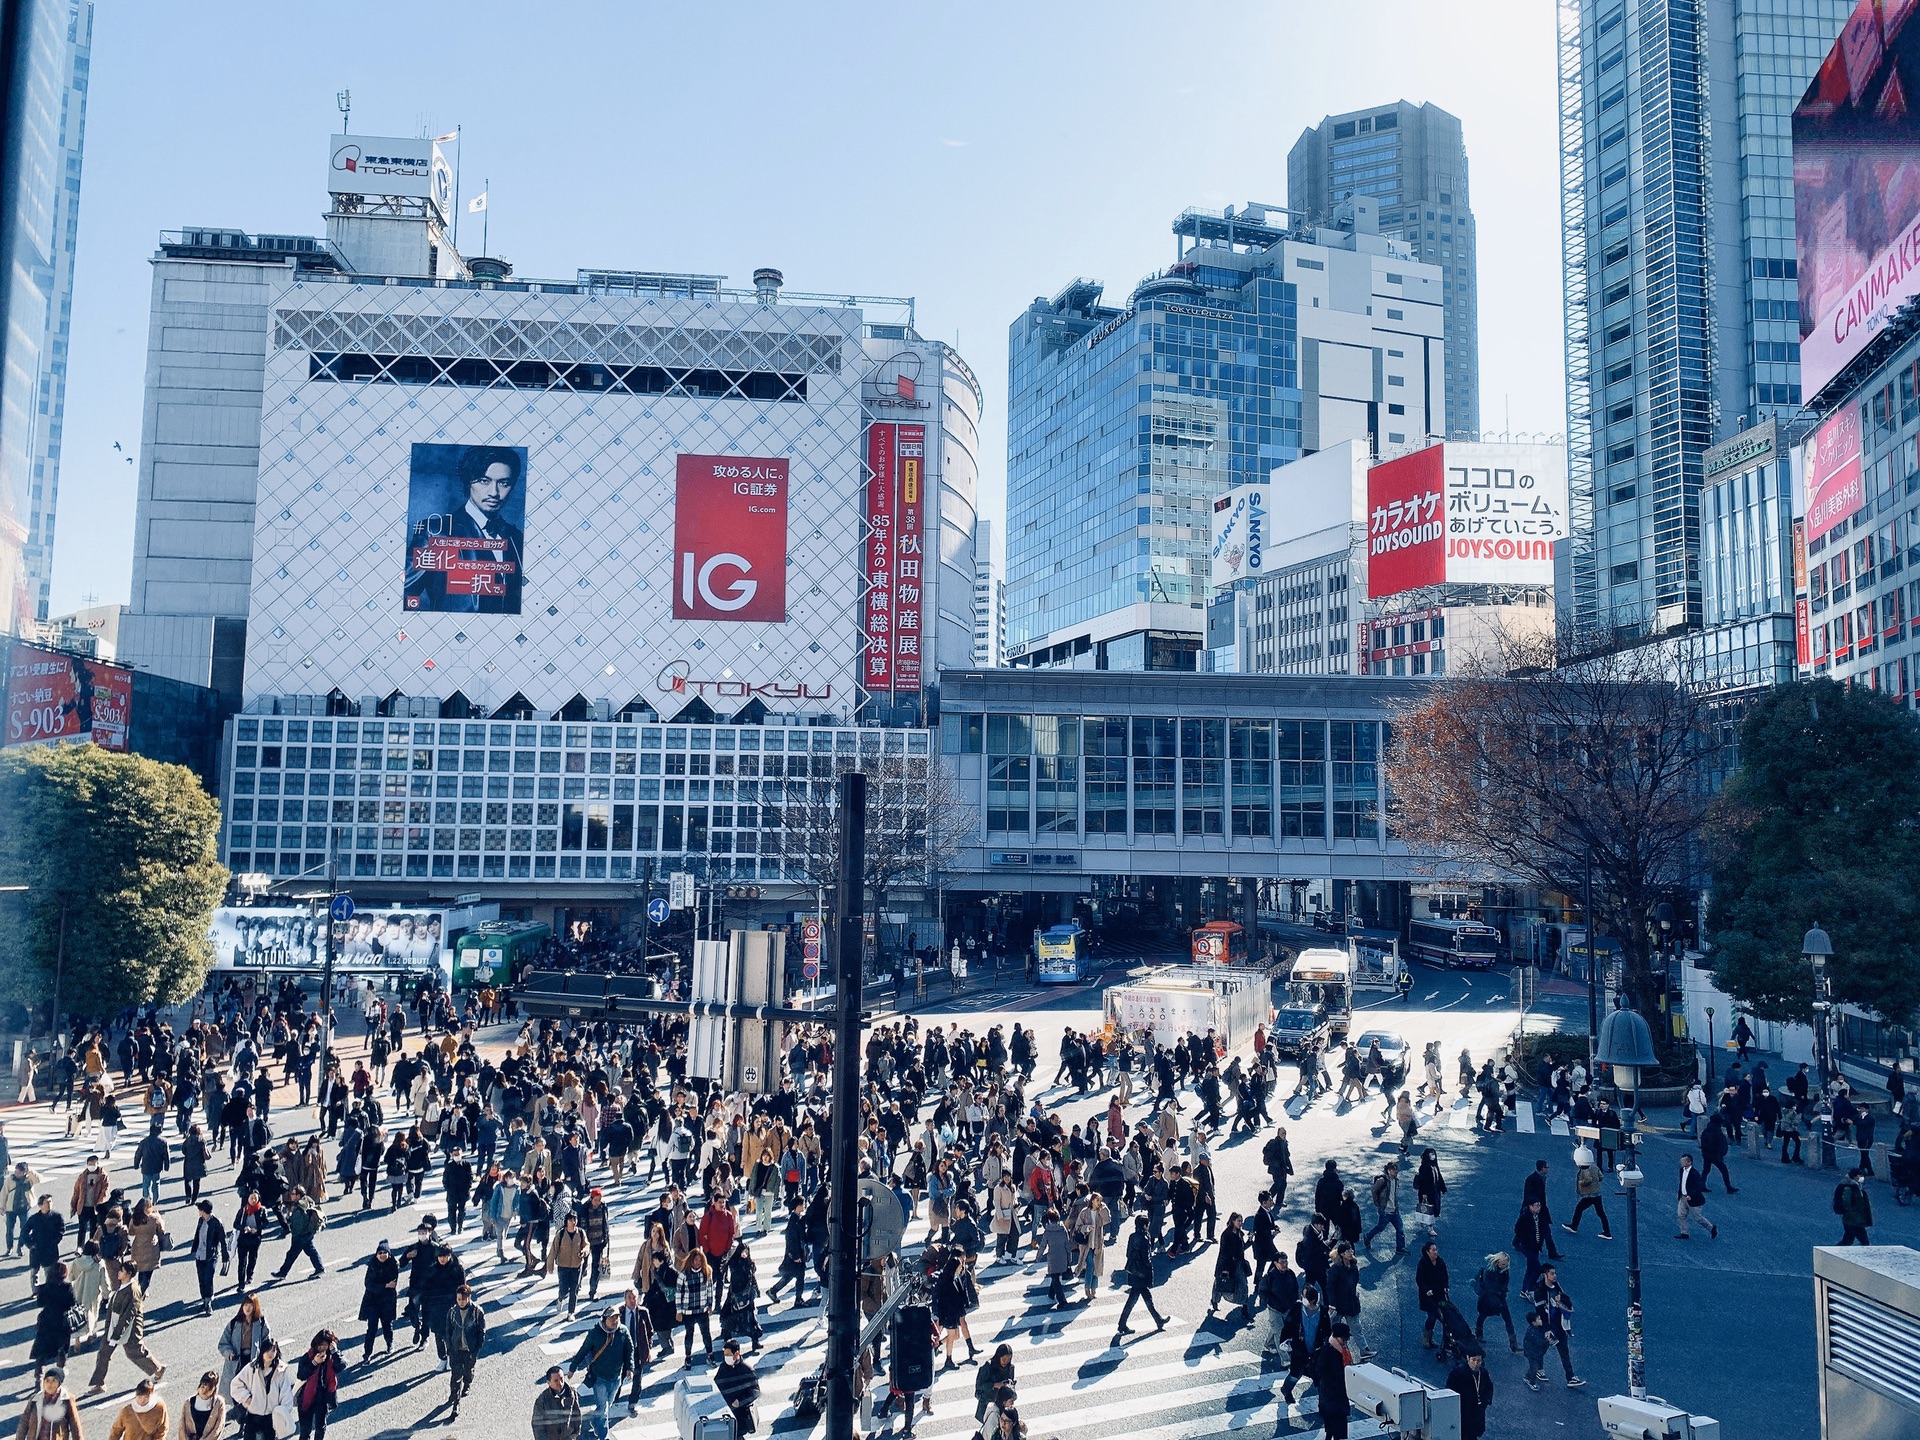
(1856, 188)
(1465, 513)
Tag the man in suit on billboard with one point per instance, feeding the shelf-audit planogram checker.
(472, 559)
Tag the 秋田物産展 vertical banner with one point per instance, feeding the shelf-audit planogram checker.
(730, 538)
(466, 528)
(877, 556)
(910, 446)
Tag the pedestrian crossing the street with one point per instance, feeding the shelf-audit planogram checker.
(1193, 1379)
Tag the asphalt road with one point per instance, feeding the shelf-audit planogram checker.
(1729, 1323)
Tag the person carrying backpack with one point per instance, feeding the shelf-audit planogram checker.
(304, 1223)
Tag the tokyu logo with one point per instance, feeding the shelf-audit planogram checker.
(699, 578)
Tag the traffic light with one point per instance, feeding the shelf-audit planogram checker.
(743, 892)
(913, 1350)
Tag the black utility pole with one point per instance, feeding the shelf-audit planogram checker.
(326, 969)
(1593, 975)
(843, 1214)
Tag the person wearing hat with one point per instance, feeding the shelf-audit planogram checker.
(380, 1299)
(606, 1353)
(435, 1292)
(738, 1386)
(556, 1408)
(52, 1413)
(144, 1417)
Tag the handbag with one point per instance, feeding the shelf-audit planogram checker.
(1426, 1207)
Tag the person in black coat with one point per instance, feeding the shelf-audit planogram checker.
(52, 1334)
(1230, 1269)
(1430, 1278)
(1313, 1251)
(1471, 1382)
(1303, 1331)
(1278, 1157)
(1330, 1377)
(1327, 1191)
(1534, 1189)
(380, 1298)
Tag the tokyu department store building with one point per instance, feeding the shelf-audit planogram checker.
(548, 586)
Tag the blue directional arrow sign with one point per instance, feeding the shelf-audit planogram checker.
(657, 911)
(342, 908)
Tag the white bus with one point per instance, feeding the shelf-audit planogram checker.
(1324, 976)
(1456, 944)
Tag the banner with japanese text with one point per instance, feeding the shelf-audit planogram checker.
(910, 444)
(878, 554)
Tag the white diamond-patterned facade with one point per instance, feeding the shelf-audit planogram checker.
(374, 575)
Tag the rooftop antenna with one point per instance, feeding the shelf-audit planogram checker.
(345, 101)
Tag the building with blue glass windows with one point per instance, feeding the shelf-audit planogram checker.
(45, 52)
(1266, 340)
(1682, 310)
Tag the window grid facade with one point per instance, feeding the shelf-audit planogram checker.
(1192, 777)
(498, 800)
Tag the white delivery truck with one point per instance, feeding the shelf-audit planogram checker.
(1186, 999)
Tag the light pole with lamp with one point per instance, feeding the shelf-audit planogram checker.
(1712, 1065)
(1818, 949)
(1626, 1044)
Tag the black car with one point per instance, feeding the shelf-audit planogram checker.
(1298, 1030)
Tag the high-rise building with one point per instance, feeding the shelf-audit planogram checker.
(1263, 342)
(249, 332)
(1682, 313)
(1412, 161)
(989, 602)
(45, 50)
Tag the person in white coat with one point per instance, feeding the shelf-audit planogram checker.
(264, 1394)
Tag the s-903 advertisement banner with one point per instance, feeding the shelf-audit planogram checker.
(466, 529)
(730, 538)
(1856, 189)
(59, 699)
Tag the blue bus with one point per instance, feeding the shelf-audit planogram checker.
(1060, 955)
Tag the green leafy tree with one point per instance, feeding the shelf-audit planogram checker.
(1820, 824)
(124, 847)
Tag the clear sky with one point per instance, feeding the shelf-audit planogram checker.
(970, 156)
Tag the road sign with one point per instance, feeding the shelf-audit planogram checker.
(882, 1217)
(657, 911)
(749, 1076)
(342, 908)
(810, 970)
(680, 890)
(472, 897)
(810, 932)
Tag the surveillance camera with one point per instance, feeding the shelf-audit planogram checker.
(1653, 1419)
(1629, 1179)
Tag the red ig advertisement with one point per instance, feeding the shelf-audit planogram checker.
(730, 538)
(1406, 523)
(56, 699)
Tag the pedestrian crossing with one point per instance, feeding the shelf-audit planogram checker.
(1195, 1378)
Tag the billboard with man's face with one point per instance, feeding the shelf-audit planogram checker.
(1856, 188)
(285, 938)
(466, 529)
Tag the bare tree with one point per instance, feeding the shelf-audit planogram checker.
(916, 821)
(1537, 770)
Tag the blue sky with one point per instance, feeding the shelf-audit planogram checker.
(972, 157)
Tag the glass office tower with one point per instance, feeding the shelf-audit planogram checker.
(45, 46)
(1123, 425)
(1412, 159)
(1682, 323)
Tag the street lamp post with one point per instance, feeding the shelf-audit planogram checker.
(1626, 1043)
(1711, 1052)
(1818, 949)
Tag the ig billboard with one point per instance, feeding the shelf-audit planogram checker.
(1856, 187)
(1465, 514)
(730, 538)
(1242, 529)
(59, 699)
